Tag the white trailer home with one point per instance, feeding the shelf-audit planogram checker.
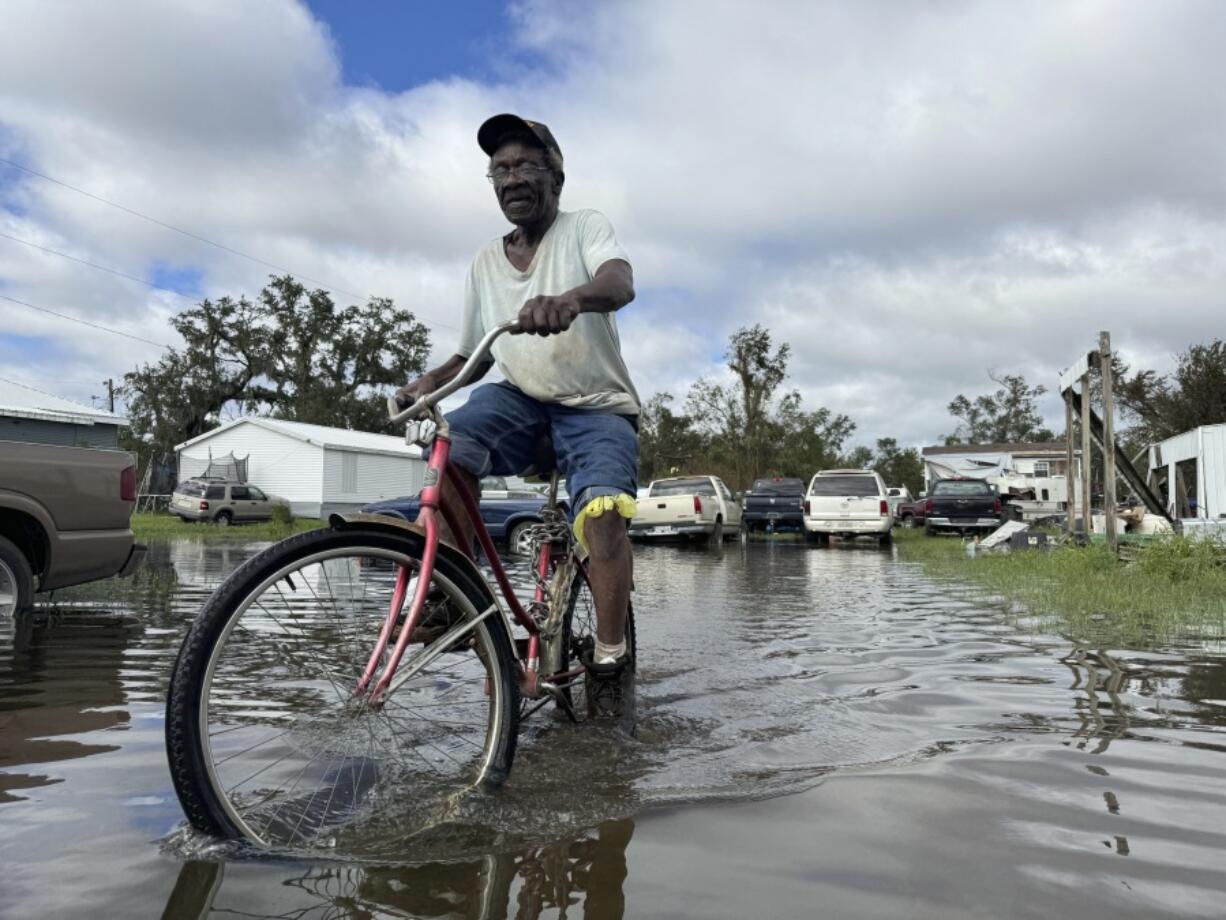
(1189, 472)
(318, 470)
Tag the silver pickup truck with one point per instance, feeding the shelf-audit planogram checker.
(65, 518)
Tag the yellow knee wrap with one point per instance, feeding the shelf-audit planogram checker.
(623, 504)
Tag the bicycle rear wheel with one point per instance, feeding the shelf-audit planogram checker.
(265, 738)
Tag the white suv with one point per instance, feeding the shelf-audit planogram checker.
(847, 503)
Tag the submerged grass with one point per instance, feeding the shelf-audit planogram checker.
(168, 526)
(1174, 590)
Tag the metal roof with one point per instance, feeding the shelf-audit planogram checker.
(1022, 447)
(20, 401)
(321, 436)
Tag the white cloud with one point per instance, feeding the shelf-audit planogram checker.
(909, 194)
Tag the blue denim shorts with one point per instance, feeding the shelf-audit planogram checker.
(497, 433)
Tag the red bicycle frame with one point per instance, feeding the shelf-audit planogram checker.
(432, 506)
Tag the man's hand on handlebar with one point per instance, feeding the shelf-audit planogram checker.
(411, 392)
(547, 315)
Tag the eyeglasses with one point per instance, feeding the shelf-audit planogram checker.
(500, 175)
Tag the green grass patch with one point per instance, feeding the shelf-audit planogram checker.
(167, 526)
(1172, 592)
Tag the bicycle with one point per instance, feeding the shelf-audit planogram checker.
(292, 706)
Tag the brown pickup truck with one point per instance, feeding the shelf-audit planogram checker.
(65, 518)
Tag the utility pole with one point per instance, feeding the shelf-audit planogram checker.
(1104, 352)
(110, 395)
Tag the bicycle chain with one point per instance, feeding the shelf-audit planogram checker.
(553, 529)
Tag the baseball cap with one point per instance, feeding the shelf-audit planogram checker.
(491, 133)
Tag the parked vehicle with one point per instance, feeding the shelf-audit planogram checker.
(687, 506)
(961, 505)
(65, 518)
(774, 504)
(507, 513)
(898, 496)
(911, 514)
(847, 503)
(221, 502)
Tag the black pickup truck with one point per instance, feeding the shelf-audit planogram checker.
(961, 505)
(774, 504)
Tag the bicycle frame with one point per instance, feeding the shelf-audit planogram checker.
(439, 469)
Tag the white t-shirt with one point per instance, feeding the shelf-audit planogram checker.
(581, 367)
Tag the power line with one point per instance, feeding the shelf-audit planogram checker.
(167, 226)
(83, 322)
(101, 268)
(187, 233)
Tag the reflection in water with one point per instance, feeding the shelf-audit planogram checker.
(580, 876)
(1101, 693)
(60, 677)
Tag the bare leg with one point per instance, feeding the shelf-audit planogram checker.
(611, 571)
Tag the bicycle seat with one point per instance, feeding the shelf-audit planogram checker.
(545, 463)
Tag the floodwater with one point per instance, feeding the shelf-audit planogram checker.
(823, 733)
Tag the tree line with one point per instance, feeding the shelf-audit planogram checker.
(295, 354)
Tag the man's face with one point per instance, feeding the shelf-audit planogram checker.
(528, 194)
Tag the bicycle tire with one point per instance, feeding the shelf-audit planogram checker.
(206, 802)
(579, 633)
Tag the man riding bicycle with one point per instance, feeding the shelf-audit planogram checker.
(561, 275)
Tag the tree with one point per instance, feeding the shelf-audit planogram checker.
(739, 414)
(1009, 415)
(899, 466)
(292, 355)
(667, 441)
(805, 442)
(1193, 395)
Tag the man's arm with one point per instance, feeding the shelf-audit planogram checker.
(611, 288)
(440, 376)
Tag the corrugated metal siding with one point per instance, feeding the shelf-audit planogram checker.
(376, 476)
(278, 464)
(41, 431)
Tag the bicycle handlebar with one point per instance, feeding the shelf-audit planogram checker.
(475, 360)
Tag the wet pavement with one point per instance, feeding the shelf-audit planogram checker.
(823, 732)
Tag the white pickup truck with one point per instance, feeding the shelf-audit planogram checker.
(687, 506)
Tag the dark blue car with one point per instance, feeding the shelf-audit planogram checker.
(507, 514)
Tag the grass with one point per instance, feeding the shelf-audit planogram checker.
(167, 526)
(1173, 592)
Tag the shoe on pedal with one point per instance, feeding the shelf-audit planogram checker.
(610, 691)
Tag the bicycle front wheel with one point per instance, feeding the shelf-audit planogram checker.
(265, 737)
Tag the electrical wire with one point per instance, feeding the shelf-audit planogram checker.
(187, 233)
(167, 226)
(83, 322)
(101, 268)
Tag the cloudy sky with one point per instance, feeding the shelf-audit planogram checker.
(909, 194)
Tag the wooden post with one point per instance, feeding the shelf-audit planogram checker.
(1070, 472)
(1104, 352)
(1086, 520)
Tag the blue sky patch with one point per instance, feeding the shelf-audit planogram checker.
(18, 348)
(397, 46)
(187, 280)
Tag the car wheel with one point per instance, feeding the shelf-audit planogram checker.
(929, 530)
(717, 532)
(224, 519)
(518, 542)
(885, 539)
(908, 520)
(16, 579)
